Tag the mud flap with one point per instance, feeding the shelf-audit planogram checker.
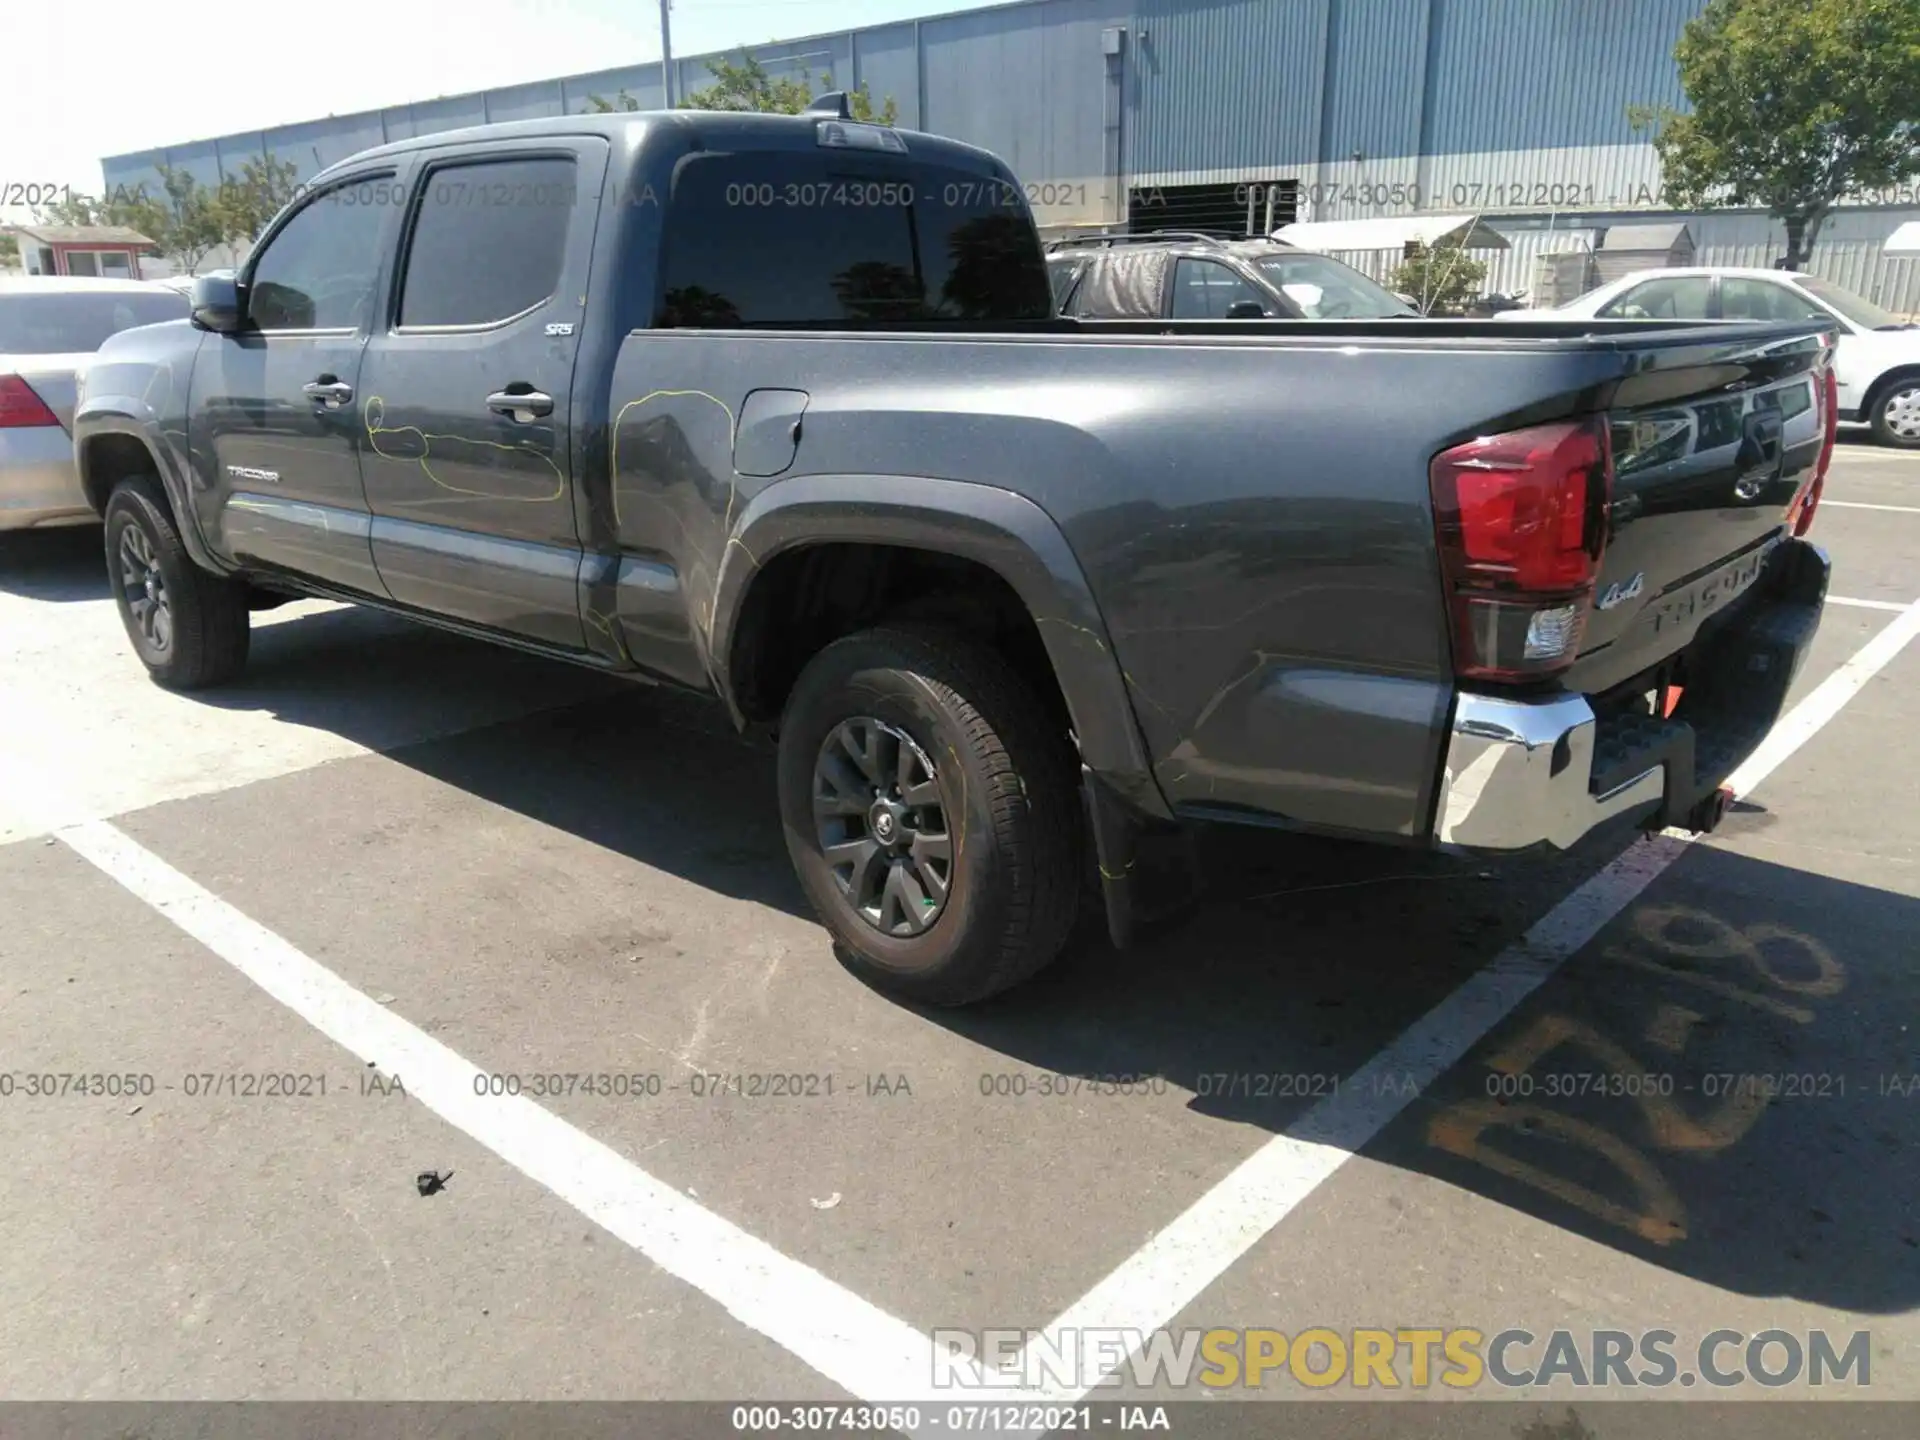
(1149, 870)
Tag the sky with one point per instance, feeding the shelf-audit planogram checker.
(106, 77)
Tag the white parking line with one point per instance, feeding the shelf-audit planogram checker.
(1865, 604)
(873, 1355)
(855, 1344)
(1173, 1268)
(1866, 448)
(1862, 505)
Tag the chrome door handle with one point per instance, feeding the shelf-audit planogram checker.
(522, 406)
(331, 393)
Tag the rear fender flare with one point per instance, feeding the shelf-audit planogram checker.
(1007, 533)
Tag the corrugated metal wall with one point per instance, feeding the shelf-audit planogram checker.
(1494, 93)
(1236, 83)
(1220, 88)
(887, 60)
(1029, 83)
(1376, 59)
(1519, 74)
(1372, 107)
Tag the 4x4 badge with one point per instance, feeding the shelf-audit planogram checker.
(1618, 592)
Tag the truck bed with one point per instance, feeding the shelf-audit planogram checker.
(1247, 500)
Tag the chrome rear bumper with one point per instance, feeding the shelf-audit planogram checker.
(1520, 772)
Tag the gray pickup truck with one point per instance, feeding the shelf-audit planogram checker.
(776, 407)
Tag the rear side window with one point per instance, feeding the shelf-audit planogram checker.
(1746, 299)
(1679, 297)
(488, 241)
(1063, 274)
(781, 238)
(70, 323)
(1125, 283)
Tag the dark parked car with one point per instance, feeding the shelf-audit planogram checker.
(1190, 276)
(778, 408)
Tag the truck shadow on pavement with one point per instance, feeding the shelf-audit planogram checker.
(1725, 1082)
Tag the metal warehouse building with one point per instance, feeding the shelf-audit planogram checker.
(1211, 113)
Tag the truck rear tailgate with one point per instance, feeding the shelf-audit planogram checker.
(1708, 460)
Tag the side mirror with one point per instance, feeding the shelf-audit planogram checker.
(1246, 310)
(216, 304)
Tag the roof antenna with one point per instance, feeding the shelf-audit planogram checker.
(834, 102)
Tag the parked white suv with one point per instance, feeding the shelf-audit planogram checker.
(1878, 362)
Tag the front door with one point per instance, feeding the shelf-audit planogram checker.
(465, 394)
(275, 428)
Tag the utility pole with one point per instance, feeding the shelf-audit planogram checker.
(666, 54)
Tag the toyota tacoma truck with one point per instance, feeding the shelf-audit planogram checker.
(776, 408)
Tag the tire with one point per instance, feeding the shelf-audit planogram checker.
(199, 637)
(1896, 414)
(943, 719)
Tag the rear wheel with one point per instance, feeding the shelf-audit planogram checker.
(1896, 414)
(189, 627)
(930, 807)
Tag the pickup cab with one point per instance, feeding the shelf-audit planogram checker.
(777, 408)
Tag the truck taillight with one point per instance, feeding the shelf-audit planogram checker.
(20, 407)
(1800, 512)
(1521, 520)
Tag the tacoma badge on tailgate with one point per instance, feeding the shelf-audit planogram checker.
(1713, 590)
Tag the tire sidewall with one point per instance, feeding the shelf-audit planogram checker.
(1881, 429)
(886, 688)
(128, 510)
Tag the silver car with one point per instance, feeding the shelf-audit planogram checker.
(49, 328)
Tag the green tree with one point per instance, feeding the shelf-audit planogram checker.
(185, 219)
(1796, 105)
(1442, 279)
(747, 86)
(619, 104)
(247, 202)
(9, 250)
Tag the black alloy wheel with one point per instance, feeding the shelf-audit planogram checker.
(882, 826)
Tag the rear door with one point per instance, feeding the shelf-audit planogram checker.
(468, 384)
(275, 420)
